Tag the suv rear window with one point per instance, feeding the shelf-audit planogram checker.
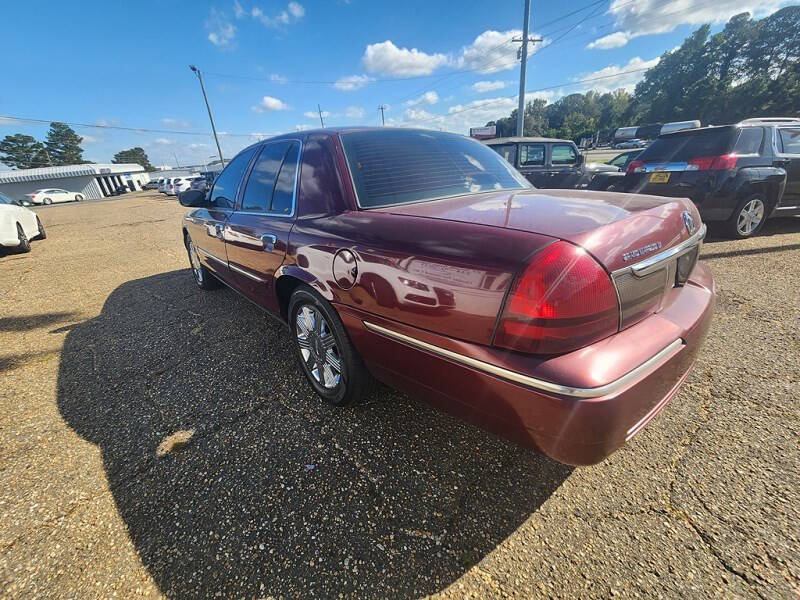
(686, 145)
(400, 166)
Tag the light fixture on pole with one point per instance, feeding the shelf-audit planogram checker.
(199, 74)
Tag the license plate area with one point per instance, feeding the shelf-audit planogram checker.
(659, 177)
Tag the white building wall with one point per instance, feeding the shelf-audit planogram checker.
(84, 184)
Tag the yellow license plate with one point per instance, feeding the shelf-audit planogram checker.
(659, 177)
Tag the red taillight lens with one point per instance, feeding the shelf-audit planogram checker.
(712, 163)
(562, 301)
(635, 166)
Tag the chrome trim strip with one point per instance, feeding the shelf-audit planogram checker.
(532, 382)
(787, 207)
(208, 254)
(245, 273)
(653, 263)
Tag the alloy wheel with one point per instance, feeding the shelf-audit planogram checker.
(750, 217)
(318, 347)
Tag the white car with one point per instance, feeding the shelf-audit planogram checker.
(18, 225)
(162, 184)
(181, 184)
(52, 195)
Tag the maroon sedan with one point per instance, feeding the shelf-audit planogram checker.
(563, 320)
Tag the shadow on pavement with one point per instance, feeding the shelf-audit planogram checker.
(25, 323)
(233, 479)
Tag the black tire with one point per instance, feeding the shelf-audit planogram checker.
(78, 198)
(204, 279)
(327, 336)
(47, 201)
(740, 225)
(24, 242)
(42, 233)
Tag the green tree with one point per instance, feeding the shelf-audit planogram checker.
(22, 151)
(135, 155)
(63, 145)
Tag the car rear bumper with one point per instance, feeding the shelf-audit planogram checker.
(577, 408)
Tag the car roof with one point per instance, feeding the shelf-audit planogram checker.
(513, 139)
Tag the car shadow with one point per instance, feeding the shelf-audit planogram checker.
(773, 226)
(233, 479)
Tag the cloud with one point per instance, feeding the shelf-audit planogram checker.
(163, 141)
(627, 81)
(493, 51)
(488, 86)
(175, 123)
(426, 98)
(238, 10)
(85, 139)
(459, 117)
(388, 59)
(352, 82)
(268, 103)
(296, 10)
(354, 112)
(106, 122)
(275, 78)
(221, 31)
(647, 17)
(302, 127)
(315, 115)
(293, 12)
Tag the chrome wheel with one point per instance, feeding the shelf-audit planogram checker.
(318, 347)
(750, 217)
(197, 268)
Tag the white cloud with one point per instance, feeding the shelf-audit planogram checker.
(238, 10)
(315, 115)
(106, 122)
(302, 127)
(488, 86)
(221, 31)
(647, 17)
(268, 103)
(627, 81)
(352, 82)
(460, 117)
(293, 12)
(175, 123)
(296, 10)
(354, 112)
(493, 51)
(426, 98)
(163, 142)
(388, 59)
(275, 78)
(85, 139)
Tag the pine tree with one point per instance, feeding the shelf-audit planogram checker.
(64, 145)
(23, 152)
(133, 155)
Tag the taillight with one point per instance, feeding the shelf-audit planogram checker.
(712, 163)
(564, 300)
(635, 166)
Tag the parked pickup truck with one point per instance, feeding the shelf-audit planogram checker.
(547, 162)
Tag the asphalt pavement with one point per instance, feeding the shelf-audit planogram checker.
(156, 440)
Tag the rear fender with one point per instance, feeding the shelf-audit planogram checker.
(766, 181)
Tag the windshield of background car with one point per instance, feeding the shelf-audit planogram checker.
(684, 146)
(402, 166)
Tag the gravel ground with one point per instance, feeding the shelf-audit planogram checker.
(158, 440)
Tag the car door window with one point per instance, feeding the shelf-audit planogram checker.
(563, 154)
(507, 151)
(749, 141)
(283, 196)
(531, 155)
(789, 141)
(258, 192)
(223, 194)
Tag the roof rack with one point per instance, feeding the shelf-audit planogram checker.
(769, 120)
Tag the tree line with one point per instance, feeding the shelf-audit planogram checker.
(62, 146)
(749, 69)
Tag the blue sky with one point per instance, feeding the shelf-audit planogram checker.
(435, 64)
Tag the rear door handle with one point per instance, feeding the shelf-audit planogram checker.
(269, 240)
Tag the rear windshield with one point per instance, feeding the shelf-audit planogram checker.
(684, 146)
(396, 166)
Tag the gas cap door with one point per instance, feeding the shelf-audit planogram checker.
(345, 269)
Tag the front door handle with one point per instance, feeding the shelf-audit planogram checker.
(218, 231)
(269, 240)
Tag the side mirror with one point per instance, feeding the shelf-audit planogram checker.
(580, 160)
(192, 198)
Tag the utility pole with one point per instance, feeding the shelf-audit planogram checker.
(175, 156)
(197, 72)
(524, 57)
(321, 122)
(382, 108)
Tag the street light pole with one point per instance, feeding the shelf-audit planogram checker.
(521, 108)
(199, 74)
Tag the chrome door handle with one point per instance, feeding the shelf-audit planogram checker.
(218, 231)
(269, 240)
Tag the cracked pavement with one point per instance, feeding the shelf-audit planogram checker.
(156, 440)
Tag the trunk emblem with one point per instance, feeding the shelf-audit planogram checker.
(641, 251)
(688, 221)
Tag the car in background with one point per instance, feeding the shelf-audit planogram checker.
(181, 184)
(18, 225)
(564, 320)
(150, 185)
(548, 163)
(634, 143)
(607, 180)
(737, 175)
(162, 184)
(53, 196)
(204, 183)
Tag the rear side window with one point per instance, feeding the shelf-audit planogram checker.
(283, 196)
(400, 166)
(749, 141)
(224, 192)
(258, 192)
(682, 147)
(789, 141)
(563, 154)
(531, 155)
